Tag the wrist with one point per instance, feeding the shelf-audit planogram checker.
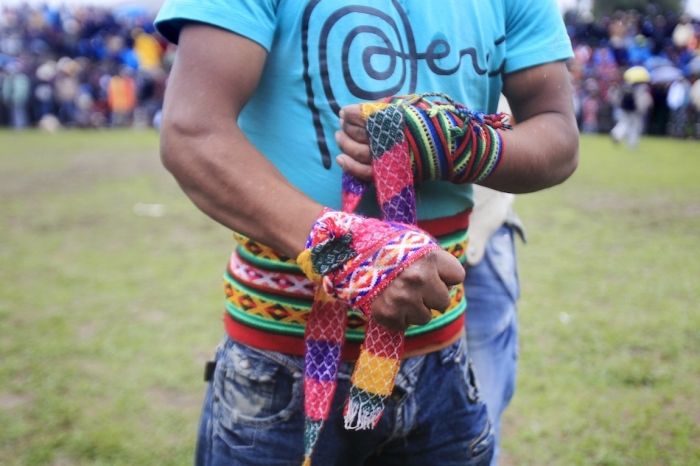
(444, 139)
(355, 258)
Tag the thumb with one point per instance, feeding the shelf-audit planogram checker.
(449, 268)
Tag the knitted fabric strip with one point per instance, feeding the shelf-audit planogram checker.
(374, 374)
(355, 260)
(352, 259)
(437, 130)
(324, 337)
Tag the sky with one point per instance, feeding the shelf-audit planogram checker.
(692, 6)
(147, 3)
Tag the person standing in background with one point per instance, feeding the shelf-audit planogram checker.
(678, 100)
(16, 88)
(695, 105)
(66, 90)
(590, 106)
(121, 96)
(633, 102)
(492, 288)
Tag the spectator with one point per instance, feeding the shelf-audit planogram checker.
(695, 106)
(44, 90)
(66, 88)
(683, 33)
(677, 100)
(16, 88)
(101, 42)
(639, 52)
(121, 95)
(69, 55)
(633, 103)
(148, 50)
(590, 106)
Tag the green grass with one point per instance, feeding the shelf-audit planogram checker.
(610, 312)
(106, 316)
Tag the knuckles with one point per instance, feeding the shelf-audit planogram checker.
(411, 277)
(399, 307)
(388, 318)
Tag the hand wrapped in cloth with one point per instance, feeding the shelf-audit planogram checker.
(444, 141)
(354, 259)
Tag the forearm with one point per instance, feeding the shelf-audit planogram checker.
(203, 147)
(539, 153)
(542, 148)
(229, 180)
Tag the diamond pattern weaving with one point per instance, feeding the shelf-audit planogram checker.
(352, 259)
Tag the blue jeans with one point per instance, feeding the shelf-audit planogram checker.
(253, 415)
(492, 290)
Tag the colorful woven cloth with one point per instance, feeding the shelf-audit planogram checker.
(353, 259)
(444, 140)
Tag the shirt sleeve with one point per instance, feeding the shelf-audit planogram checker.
(535, 34)
(254, 19)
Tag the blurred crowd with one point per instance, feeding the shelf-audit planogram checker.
(664, 48)
(83, 66)
(88, 66)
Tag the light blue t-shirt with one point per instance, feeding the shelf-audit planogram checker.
(325, 54)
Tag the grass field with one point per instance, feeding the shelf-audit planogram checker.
(110, 302)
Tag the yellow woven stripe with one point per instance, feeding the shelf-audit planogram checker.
(372, 372)
(307, 266)
(457, 249)
(294, 313)
(257, 305)
(267, 307)
(259, 249)
(372, 107)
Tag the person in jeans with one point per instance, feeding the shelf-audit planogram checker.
(250, 114)
(492, 289)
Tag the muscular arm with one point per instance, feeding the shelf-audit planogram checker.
(541, 151)
(215, 73)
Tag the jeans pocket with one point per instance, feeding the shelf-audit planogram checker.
(253, 390)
